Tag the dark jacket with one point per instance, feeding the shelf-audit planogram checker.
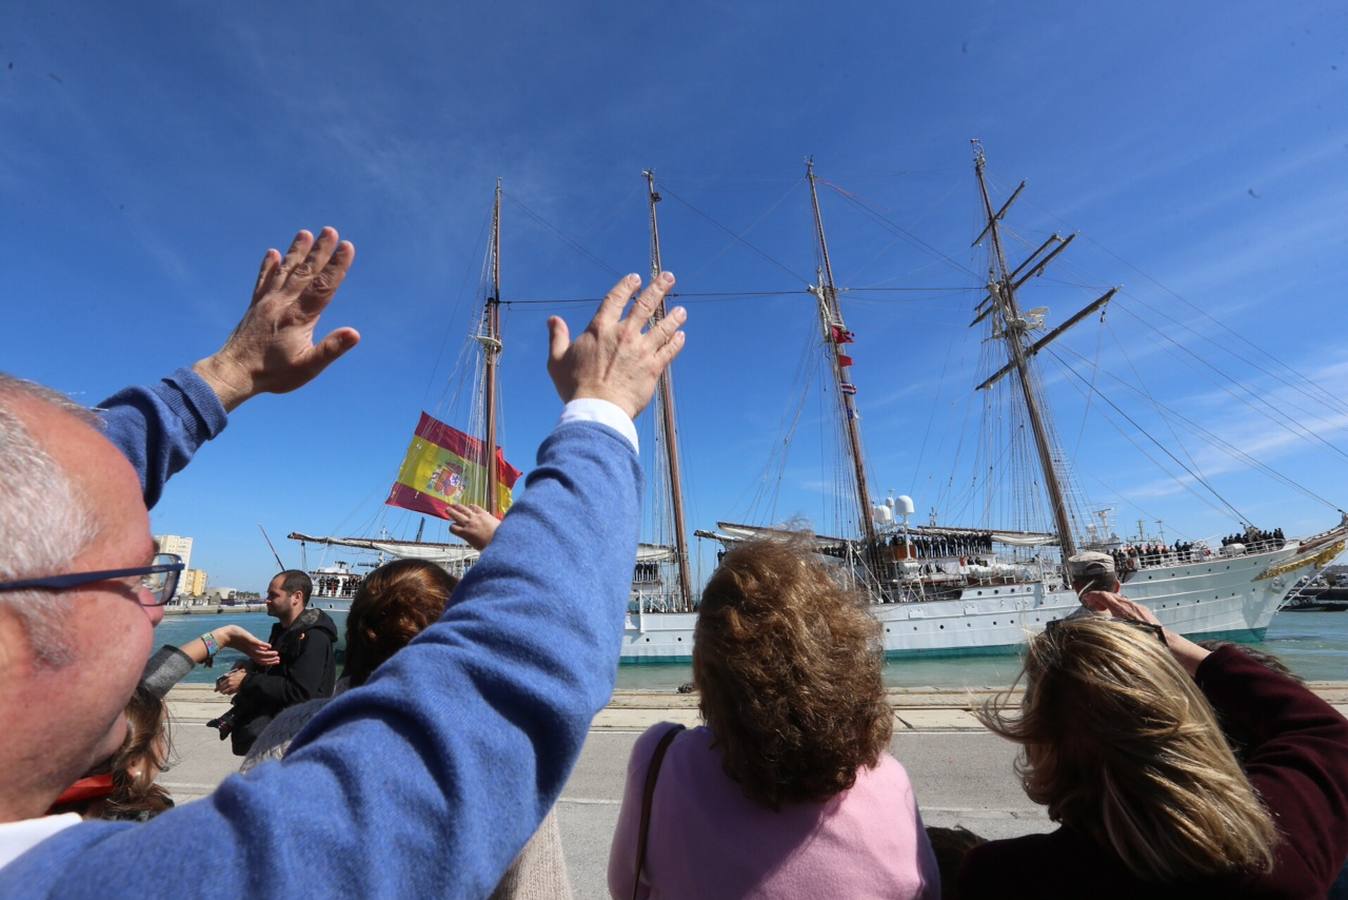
(308, 669)
(1295, 752)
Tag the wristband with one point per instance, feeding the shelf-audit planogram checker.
(212, 647)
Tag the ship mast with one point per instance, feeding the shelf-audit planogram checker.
(1014, 329)
(668, 425)
(827, 292)
(491, 349)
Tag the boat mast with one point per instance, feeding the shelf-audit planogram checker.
(1014, 328)
(827, 292)
(491, 348)
(667, 418)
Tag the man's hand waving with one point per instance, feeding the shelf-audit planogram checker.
(614, 359)
(272, 349)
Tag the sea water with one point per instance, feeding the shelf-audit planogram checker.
(1312, 644)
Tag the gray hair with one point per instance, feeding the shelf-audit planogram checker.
(44, 522)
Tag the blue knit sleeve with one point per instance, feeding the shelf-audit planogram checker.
(159, 428)
(429, 779)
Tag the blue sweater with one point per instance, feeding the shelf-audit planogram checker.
(159, 428)
(429, 779)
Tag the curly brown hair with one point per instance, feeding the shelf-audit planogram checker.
(788, 663)
(394, 604)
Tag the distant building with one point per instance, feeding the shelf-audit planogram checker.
(172, 543)
(192, 583)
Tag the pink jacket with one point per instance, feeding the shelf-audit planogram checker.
(707, 839)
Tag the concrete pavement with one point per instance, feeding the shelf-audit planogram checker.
(962, 774)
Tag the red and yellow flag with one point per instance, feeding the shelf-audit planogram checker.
(443, 466)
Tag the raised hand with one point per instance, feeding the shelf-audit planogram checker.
(614, 359)
(272, 349)
(1118, 606)
(472, 523)
(1186, 652)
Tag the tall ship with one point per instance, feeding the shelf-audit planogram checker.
(939, 589)
(478, 473)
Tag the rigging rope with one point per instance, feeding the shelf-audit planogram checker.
(706, 263)
(1239, 515)
(665, 191)
(1278, 417)
(848, 195)
(1325, 395)
(1201, 497)
(1229, 447)
(573, 244)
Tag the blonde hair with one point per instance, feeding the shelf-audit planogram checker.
(1119, 743)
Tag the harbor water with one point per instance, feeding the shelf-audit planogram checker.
(1312, 644)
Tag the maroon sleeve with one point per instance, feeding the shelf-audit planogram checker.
(1296, 756)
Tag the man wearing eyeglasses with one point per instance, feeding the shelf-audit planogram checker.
(71, 646)
(428, 779)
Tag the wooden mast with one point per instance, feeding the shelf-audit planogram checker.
(667, 418)
(827, 292)
(1014, 329)
(491, 349)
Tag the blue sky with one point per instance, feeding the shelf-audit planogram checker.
(148, 161)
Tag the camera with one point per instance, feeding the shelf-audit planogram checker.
(224, 723)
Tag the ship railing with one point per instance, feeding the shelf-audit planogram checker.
(1202, 553)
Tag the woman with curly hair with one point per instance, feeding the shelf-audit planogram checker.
(1126, 730)
(788, 790)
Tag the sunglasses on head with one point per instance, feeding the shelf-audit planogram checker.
(1054, 626)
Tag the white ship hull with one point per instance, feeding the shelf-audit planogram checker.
(1217, 598)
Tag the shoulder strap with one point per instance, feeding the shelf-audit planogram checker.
(647, 795)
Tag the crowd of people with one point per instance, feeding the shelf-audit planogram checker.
(1252, 535)
(431, 767)
(954, 545)
(1131, 557)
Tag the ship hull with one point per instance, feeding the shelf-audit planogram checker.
(1221, 598)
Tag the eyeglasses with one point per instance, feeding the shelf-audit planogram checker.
(1052, 627)
(160, 578)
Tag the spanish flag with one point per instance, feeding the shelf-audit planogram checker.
(443, 466)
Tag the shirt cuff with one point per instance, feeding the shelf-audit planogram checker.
(592, 409)
(197, 396)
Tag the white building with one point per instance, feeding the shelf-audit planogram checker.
(172, 543)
